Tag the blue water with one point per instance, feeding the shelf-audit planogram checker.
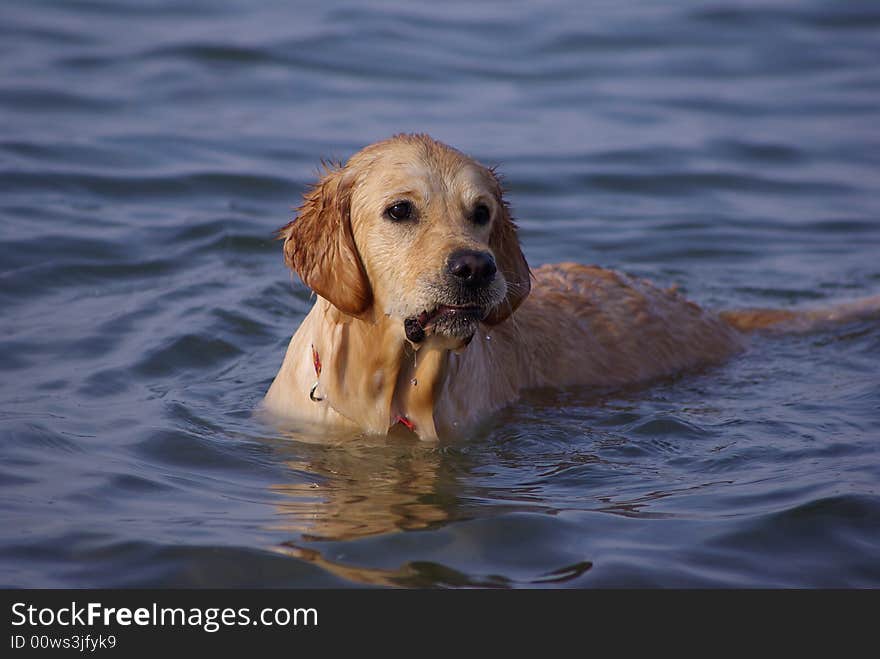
(149, 150)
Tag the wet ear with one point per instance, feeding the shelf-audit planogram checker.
(509, 258)
(319, 245)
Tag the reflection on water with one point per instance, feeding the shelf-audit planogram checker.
(356, 488)
(424, 574)
(372, 486)
(365, 489)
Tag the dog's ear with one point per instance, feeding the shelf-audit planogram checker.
(511, 263)
(319, 245)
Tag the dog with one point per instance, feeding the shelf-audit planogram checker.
(428, 317)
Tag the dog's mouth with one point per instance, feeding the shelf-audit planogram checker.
(446, 312)
(449, 319)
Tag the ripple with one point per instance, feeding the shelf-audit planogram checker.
(128, 187)
(242, 324)
(847, 18)
(187, 352)
(701, 182)
(53, 100)
(37, 436)
(844, 527)
(182, 447)
(105, 383)
(30, 281)
(428, 574)
(215, 53)
(761, 152)
(668, 426)
(80, 558)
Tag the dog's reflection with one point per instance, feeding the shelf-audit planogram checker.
(368, 487)
(363, 488)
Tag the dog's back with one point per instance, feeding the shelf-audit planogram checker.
(587, 325)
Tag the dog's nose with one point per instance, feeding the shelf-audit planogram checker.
(472, 268)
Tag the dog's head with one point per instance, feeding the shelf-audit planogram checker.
(413, 229)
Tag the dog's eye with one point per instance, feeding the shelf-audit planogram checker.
(402, 210)
(481, 214)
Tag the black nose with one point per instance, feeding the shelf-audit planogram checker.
(472, 268)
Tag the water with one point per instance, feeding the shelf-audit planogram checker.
(149, 150)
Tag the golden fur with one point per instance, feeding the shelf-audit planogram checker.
(563, 324)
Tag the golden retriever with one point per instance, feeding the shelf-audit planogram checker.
(429, 318)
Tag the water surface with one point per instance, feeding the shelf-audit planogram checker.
(149, 150)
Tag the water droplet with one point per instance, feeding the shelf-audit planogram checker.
(414, 382)
(488, 338)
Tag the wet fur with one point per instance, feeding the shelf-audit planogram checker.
(559, 325)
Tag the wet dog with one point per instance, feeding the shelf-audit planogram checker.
(429, 318)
